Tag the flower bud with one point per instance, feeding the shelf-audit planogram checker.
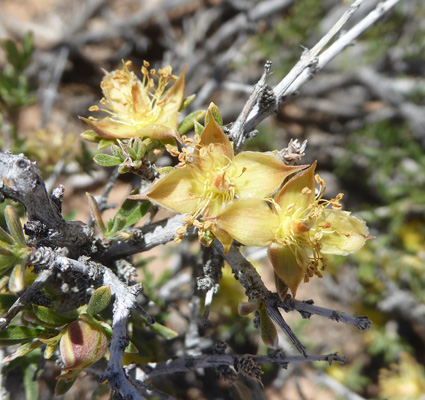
(268, 330)
(82, 344)
(245, 308)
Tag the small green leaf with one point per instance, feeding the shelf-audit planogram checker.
(117, 224)
(22, 350)
(187, 124)
(118, 152)
(91, 136)
(132, 153)
(31, 384)
(109, 225)
(50, 350)
(133, 210)
(14, 225)
(187, 101)
(163, 331)
(123, 169)
(50, 316)
(17, 278)
(139, 148)
(6, 301)
(99, 300)
(214, 112)
(63, 385)
(105, 160)
(15, 334)
(12, 52)
(7, 249)
(199, 128)
(104, 143)
(5, 237)
(28, 45)
(8, 261)
(268, 330)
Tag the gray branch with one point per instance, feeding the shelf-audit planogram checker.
(312, 61)
(306, 309)
(217, 360)
(148, 237)
(125, 301)
(255, 290)
(21, 181)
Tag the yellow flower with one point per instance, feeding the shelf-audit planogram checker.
(297, 225)
(405, 381)
(211, 176)
(136, 108)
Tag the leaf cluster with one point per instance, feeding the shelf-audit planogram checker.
(14, 85)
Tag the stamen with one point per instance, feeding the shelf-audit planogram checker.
(306, 191)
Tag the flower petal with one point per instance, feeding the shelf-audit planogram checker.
(124, 92)
(281, 288)
(343, 233)
(289, 263)
(109, 128)
(225, 239)
(214, 134)
(295, 192)
(176, 191)
(250, 221)
(221, 152)
(261, 174)
(173, 98)
(160, 132)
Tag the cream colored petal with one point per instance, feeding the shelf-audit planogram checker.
(215, 205)
(281, 288)
(117, 88)
(299, 190)
(221, 152)
(249, 221)
(260, 174)
(141, 103)
(177, 191)
(160, 132)
(173, 98)
(167, 119)
(346, 233)
(289, 263)
(212, 133)
(225, 239)
(108, 128)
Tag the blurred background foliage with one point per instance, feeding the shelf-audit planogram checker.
(363, 117)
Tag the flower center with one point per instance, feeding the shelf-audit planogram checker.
(295, 225)
(220, 183)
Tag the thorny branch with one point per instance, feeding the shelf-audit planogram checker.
(312, 61)
(47, 260)
(125, 301)
(217, 360)
(255, 289)
(21, 181)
